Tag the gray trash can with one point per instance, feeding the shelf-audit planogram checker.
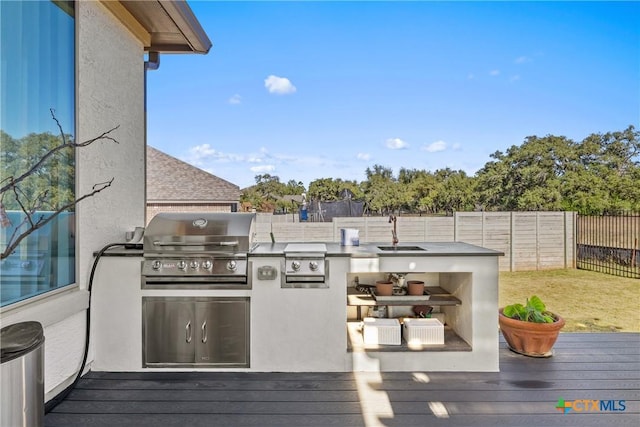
(22, 375)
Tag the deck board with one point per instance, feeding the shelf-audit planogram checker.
(525, 392)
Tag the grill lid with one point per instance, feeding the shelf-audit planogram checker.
(171, 233)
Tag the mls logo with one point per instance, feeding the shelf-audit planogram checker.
(589, 405)
(563, 406)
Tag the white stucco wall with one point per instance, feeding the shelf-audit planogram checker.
(110, 92)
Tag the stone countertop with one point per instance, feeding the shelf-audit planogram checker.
(429, 249)
(366, 250)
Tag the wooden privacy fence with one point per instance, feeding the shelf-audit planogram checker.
(529, 240)
(609, 243)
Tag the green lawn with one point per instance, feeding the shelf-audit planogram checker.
(589, 301)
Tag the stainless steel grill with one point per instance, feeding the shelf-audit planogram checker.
(198, 250)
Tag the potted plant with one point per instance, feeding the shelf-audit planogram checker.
(530, 329)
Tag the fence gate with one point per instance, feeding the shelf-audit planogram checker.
(609, 243)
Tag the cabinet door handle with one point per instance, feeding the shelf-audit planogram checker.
(204, 332)
(188, 332)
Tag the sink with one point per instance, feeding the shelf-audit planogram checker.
(401, 248)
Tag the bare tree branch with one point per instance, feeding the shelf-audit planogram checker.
(42, 221)
(28, 207)
(103, 136)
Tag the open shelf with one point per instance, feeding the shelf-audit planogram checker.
(439, 297)
(355, 342)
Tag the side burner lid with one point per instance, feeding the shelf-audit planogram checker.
(303, 248)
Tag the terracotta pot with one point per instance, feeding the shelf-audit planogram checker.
(415, 287)
(529, 338)
(384, 288)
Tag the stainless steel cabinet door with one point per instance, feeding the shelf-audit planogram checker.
(223, 332)
(169, 332)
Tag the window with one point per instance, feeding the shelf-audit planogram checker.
(37, 57)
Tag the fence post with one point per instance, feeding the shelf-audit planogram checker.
(537, 241)
(512, 262)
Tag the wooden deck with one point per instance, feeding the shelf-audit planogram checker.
(525, 392)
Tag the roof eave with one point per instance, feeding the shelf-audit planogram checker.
(186, 21)
(163, 26)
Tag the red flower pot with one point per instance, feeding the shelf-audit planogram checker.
(384, 288)
(415, 287)
(530, 338)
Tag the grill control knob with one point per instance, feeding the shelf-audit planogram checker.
(207, 264)
(156, 264)
(194, 264)
(182, 265)
(313, 265)
(295, 265)
(231, 265)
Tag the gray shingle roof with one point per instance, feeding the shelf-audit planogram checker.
(171, 179)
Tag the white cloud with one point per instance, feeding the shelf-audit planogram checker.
(204, 150)
(240, 168)
(434, 147)
(279, 85)
(200, 153)
(522, 59)
(396, 144)
(471, 76)
(235, 99)
(494, 72)
(514, 78)
(262, 168)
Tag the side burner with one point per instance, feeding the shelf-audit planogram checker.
(305, 265)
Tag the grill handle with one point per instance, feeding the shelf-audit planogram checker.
(159, 243)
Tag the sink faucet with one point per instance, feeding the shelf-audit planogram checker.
(394, 241)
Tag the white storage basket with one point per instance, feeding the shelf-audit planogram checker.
(381, 331)
(423, 331)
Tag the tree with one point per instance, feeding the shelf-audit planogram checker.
(294, 187)
(383, 193)
(453, 191)
(598, 175)
(267, 194)
(527, 176)
(420, 189)
(330, 189)
(607, 175)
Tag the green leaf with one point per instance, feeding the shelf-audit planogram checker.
(515, 311)
(534, 311)
(548, 317)
(535, 303)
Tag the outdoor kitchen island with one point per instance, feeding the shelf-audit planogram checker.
(313, 328)
(299, 319)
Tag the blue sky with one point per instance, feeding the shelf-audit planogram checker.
(309, 90)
